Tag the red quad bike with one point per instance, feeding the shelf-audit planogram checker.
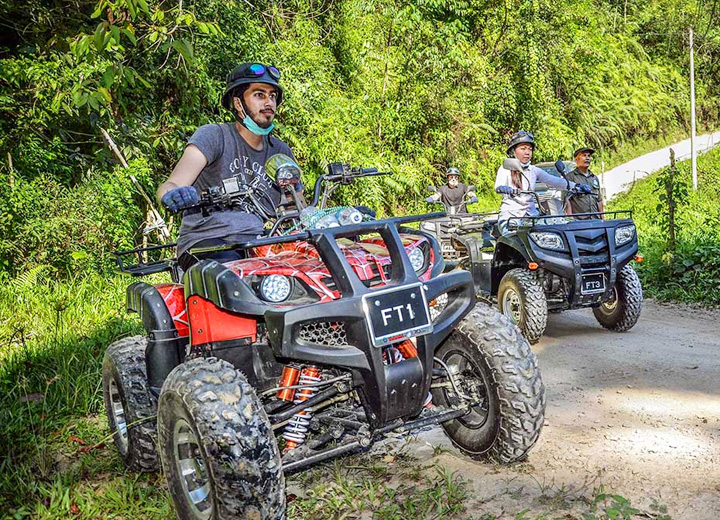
(335, 331)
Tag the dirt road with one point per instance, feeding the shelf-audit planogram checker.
(638, 413)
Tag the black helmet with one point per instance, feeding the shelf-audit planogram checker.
(452, 171)
(247, 73)
(518, 138)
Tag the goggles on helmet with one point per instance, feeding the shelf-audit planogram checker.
(255, 70)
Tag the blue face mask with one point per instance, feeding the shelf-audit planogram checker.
(255, 128)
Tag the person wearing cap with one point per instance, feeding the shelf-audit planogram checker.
(592, 202)
(454, 193)
(220, 151)
(510, 183)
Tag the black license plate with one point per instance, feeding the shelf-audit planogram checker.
(593, 283)
(396, 314)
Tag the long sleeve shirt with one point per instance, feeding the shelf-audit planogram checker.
(524, 205)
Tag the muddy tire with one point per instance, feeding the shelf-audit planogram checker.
(522, 299)
(494, 366)
(218, 450)
(130, 407)
(622, 312)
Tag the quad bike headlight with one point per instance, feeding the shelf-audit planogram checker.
(548, 240)
(417, 258)
(624, 234)
(275, 288)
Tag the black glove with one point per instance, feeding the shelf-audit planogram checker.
(180, 198)
(583, 188)
(505, 190)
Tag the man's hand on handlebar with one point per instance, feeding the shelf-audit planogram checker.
(177, 199)
(472, 200)
(506, 190)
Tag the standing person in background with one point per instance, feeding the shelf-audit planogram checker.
(589, 203)
(510, 183)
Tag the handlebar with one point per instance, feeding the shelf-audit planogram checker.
(254, 197)
(341, 174)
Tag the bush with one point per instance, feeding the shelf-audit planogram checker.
(44, 222)
(690, 271)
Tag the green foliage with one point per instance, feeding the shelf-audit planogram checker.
(53, 336)
(43, 221)
(672, 193)
(690, 271)
(412, 87)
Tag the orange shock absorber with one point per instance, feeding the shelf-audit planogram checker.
(298, 426)
(407, 349)
(290, 377)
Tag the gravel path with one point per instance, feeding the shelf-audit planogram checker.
(637, 413)
(615, 180)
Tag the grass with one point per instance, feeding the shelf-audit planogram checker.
(634, 148)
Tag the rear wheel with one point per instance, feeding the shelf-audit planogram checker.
(130, 407)
(521, 298)
(622, 311)
(218, 450)
(493, 366)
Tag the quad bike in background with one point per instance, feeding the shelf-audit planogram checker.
(445, 227)
(552, 263)
(334, 331)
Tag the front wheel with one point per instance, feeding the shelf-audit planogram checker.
(622, 311)
(522, 299)
(492, 365)
(218, 450)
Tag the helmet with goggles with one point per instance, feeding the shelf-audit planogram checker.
(520, 137)
(247, 73)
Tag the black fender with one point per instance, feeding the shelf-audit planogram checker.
(507, 256)
(165, 348)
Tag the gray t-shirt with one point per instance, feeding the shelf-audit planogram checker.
(228, 154)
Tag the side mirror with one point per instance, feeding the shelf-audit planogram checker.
(432, 189)
(283, 169)
(513, 164)
(560, 166)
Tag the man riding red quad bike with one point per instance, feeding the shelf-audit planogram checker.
(335, 331)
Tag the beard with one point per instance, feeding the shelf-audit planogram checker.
(260, 119)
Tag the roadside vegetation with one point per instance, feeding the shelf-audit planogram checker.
(414, 87)
(686, 268)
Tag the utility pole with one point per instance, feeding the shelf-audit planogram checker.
(692, 112)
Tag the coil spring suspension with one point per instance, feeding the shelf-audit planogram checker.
(296, 430)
